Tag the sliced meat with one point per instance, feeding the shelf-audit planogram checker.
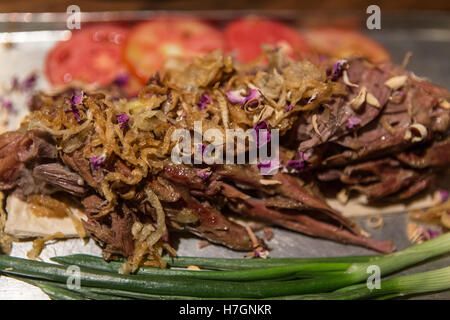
(183, 174)
(423, 182)
(332, 120)
(382, 178)
(61, 178)
(387, 135)
(77, 162)
(164, 190)
(290, 187)
(113, 231)
(299, 221)
(436, 155)
(36, 145)
(19, 153)
(92, 204)
(208, 223)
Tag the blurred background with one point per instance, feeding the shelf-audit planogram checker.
(417, 26)
(323, 5)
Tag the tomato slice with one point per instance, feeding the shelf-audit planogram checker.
(151, 43)
(344, 43)
(91, 55)
(244, 37)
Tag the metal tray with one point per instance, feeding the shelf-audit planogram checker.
(426, 36)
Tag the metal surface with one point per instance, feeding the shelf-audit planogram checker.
(427, 38)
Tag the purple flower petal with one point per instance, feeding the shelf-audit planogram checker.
(338, 68)
(74, 100)
(261, 126)
(204, 173)
(236, 96)
(205, 99)
(269, 167)
(201, 148)
(296, 164)
(77, 98)
(29, 82)
(6, 104)
(299, 165)
(289, 108)
(122, 119)
(353, 122)
(253, 94)
(121, 80)
(444, 195)
(97, 162)
(431, 234)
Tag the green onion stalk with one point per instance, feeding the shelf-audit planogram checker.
(325, 277)
(421, 283)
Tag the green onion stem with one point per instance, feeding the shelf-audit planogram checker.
(169, 285)
(277, 272)
(420, 283)
(53, 290)
(188, 287)
(240, 264)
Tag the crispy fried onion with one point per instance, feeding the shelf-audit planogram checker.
(39, 245)
(5, 240)
(148, 238)
(439, 214)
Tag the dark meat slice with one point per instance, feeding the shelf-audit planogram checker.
(387, 135)
(329, 175)
(207, 223)
(18, 153)
(36, 145)
(93, 204)
(311, 215)
(183, 174)
(112, 232)
(382, 178)
(77, 162)
(10, 170)
(9, 146)
(303, 222)
(290, 187)
(282, 203)
(164, 190)
(332, 120)
(63, 179)
(436, 155)
(423, 182)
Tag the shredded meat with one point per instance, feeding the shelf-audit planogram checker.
(113, 155)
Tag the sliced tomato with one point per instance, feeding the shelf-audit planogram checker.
(344, 43)
(91, 55)
(244, 38)
(151, 43)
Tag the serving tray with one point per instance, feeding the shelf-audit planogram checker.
(25, 39)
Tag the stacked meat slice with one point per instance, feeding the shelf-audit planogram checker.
(394, 149)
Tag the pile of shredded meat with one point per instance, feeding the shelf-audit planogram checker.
(376, 130)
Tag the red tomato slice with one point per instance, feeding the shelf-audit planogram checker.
(244, 37)
(151, 43)
(344, 43)
(91, 55)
